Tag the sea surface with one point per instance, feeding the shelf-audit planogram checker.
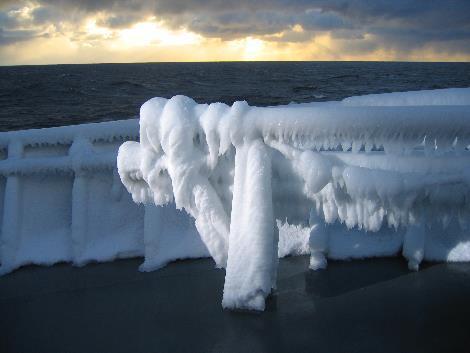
(55, 95)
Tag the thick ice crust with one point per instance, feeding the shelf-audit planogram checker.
(392, 169)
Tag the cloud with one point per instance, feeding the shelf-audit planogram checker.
(355, 26)
(8, 37)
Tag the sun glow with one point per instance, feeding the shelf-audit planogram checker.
(253, 48)
(94, 31)
(94, 39)
(154, 33)
(248, 48)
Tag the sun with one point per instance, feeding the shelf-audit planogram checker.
(154, 33)
(253, 48)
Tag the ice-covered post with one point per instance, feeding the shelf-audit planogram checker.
(80, 149)
(252, 255)
(365, 164)
(318, 241)
(414, 242)
(11, 214)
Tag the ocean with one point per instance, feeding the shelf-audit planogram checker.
(55, 95)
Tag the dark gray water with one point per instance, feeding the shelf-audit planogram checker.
(43, 96)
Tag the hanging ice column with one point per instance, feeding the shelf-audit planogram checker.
(368, 176)
(252, 233)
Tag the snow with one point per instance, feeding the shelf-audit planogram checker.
(450, 96)
(169, 234)
(62, 200)
(377, 175)
(63, 135)
(293, 239)
(367, 176)
(252, 231)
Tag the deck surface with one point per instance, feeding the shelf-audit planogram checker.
(372, 305)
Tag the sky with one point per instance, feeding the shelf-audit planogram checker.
(90, 31)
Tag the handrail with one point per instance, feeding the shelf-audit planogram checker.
(61, 199)
(384, 164)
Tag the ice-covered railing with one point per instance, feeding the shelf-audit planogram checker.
(388, 173)
(61, 200)
(368, 176)
(61, 196)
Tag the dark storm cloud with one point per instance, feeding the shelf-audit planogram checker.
(15, 36)
(4, 3)
(119, 21)
(397, 24)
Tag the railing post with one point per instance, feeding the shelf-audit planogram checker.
(11, 226)
(79, 215)
(78, 151)
(153, 229)
(318, 241)
(414, 243)
(252, 255)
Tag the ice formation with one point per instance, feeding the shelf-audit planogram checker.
(62, 198)
(367, 176)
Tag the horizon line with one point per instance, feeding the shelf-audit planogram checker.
(243, 61)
